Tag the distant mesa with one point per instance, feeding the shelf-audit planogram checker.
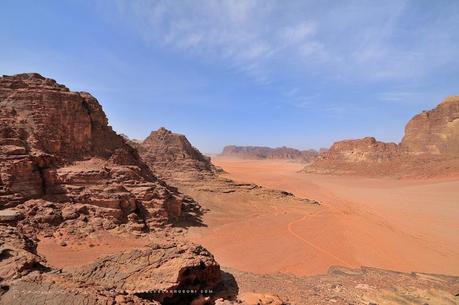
(261, 152)
(430, 147)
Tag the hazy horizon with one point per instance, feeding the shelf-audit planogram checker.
(301, 74)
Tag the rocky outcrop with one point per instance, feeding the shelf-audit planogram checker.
(57, 144)
(355, 156)
(260, 152)
(363, 285)
(434, 132)
(361, 150)
(18, 255)
(144, 276)
(65, 172)
(429, 148)
(172, 156)
(153, 273)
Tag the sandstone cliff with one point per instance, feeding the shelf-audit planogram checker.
(429, 148)
(260, 152)
(64, 173)
(57, 144)
(362, 150)
(434, 132)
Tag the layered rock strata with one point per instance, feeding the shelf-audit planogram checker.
(65, 172)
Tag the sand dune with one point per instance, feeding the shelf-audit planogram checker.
(394, 224)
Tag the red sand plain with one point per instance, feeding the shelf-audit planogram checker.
(404, 225)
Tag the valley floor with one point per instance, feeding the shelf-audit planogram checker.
(402, 225)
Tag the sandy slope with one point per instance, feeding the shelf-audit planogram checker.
(393, 224)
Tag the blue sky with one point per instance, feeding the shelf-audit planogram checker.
(297, 73)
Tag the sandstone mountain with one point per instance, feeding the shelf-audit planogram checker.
(429, 148)
(171, 155)
(67, 176)
(260, 152)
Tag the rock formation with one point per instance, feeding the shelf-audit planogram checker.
(363, 285)
(175, 160)
(434, 132)
(65, 172)
(260, 152)
(429, 148)
(362, 150)
(171, 155)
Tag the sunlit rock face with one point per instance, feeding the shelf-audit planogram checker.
(57, 143)
(429, 148)
(172, 156)
(435, 131)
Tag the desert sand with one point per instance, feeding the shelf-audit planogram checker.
(403, 225)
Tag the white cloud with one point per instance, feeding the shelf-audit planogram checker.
(360, 40)
(297, 33)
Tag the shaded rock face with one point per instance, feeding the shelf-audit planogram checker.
(65, 172)
(429, 148)
(260, 152)
(171, 155)
(434, 132)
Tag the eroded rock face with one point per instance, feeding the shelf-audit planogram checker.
(64, 172)
(18, 255)
(429, 148)
(152, 273)
(361, 150)
(172, 156)
(57, 144)
(434, 132)
(259, 152)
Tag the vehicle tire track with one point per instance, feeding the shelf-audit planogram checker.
(311, 244)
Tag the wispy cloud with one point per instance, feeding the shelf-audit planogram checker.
(397, 96)
(360, 41)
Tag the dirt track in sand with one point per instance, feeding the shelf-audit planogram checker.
(403, 225)
(312, 245)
